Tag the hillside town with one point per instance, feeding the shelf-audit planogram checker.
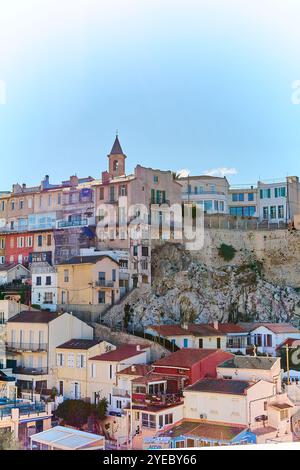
(78, 367)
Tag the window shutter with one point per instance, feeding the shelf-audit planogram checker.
(78, 361)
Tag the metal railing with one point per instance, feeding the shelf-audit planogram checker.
(27, 346)
(20, 370)
(104, 283)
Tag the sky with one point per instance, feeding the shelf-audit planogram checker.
(204, 86)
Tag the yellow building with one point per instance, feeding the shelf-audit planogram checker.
(88, 283)
(72, 374)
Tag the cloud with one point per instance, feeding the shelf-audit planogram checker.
(184, 173)
(223, 171)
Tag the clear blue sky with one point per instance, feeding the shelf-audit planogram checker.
(195, 84)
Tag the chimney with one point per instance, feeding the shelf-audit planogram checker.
(138, 347)
(133, 369)
(216, 325)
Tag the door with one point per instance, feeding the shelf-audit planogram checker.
(218, 343)
(185, 343)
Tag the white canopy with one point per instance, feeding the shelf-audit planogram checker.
(64, 438)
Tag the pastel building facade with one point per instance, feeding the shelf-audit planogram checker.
(243, 202)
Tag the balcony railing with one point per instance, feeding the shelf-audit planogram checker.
(27, 409)
(118, 392)
(158, 400)
(30, 370)
(34, 347)
(72, 223)
(104, 283)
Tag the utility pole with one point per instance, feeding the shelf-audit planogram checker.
(287, 364)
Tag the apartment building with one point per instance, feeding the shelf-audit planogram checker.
(88, 282)
(279, 201)
(210, 192)
(72, 372)
(32, 338)
(44, 286)
(243, 202)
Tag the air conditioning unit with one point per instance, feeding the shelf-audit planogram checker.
(203, 416)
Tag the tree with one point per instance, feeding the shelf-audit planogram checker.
(74, 412)
(101, 409)
(7, 440)
(227, 252)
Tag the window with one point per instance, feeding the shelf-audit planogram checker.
(38, 281)
(101, 194)
(21, 205)
(280, 192)
(145, 251)
(66, 275)
(280, 212)
(29, 242)
(81, 361)
(101, 278)
(49, 239)
(48, 297)
(110, 371)
(112, 193)
(238, 197)
(222, 207)
(284, 414)
(20, 242)
(273, 212)
(123, 190)
(218, 343)
(48, 280)
(60, 360)
(101, 297)
(250, 197)
(70, 360)
(93, 370)
(155, 179)
(200, 343)
(265, 193)
(40, 240)
(114, 275)
(135, 250)
(58, 199)
(148, 421)
(268, 341)
(169, 418)
(266, 213)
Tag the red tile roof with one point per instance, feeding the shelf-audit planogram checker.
(231, 387)
(291, 342)
(185, 358)
(137, 369)
(33, 316)
(276, 328)
(230, 328)
(119, 354)
(192, 329)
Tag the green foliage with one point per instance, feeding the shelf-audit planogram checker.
(101, 409)
(227, 252)
(7, 441)
(74, 412)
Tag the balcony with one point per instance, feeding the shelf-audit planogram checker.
(118, 392)
(20, 370)
(165, 399)
(31, 347)
(25, 409)
(104, 283)
(72, 223)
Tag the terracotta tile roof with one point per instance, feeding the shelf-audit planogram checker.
(276, 328)
(192, 329)
(79, 344)
(230, 328)
(33, 316)
(250, 362)
(185, 358)
(119, 354)
(136, 369)
(87, 259)
(205, 430)
(291, 342)
(231, 387)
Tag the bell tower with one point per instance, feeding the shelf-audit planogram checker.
(116, 159)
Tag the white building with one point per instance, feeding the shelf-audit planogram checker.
(210, 192)
(44, 286)
(13, 272)
(268, 336)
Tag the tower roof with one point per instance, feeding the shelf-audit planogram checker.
(116, 148)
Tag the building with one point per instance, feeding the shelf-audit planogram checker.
(194, 364)
(252, 368)
(88, 284)
(266, 337)
(190, 335)
(44, 286)
(10, 273)
(279, 201)
(243, 202)
(63, 438)
(103, 370)
(24, 418)
(32, 337)
(252, 405)
(209, 192)
(71, 373)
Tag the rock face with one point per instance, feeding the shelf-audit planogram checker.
(186, 289)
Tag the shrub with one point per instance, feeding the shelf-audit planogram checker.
(227, 252)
